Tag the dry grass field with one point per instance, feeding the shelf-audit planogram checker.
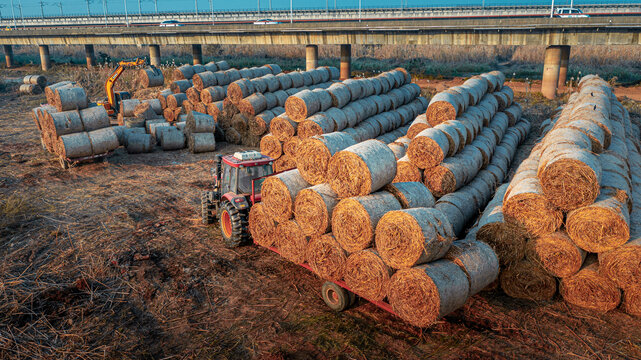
(110, 260)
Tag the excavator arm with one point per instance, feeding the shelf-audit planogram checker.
(111, 104)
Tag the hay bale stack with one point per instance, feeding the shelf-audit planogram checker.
(556, 254)
(279, 193)
(283, 127)
(623, 264)
(30, 89)
(151, 77)
(406, 171)
(361, 169)
(526, 280)
(410, 237)
(291, 242)
(162, 97)
(428, 148)
(271, 146)
(354, 219)
(70, 98)
(419, 124)
(239, 90)
(367, 274)
(284, 163)
(589, 289)
(423, 294)
(477, 260)
(326, 257)
(290, 147)
(340, 94)
(261, 226)
(446, 105)
(313, 155)
(313, 209)
(50, 91)
(632, 300)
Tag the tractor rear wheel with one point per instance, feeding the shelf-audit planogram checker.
(233, 225)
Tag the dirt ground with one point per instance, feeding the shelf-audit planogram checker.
(110, 260)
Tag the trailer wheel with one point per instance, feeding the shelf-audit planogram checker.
(336, 298)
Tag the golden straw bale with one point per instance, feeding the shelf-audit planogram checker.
(411, 194)
(588, 289)
(526, 206)
(632, 300)
(313, 154)
(261, 226)
(601, 226)
(279, 193)
(623, 264)
(283, 163)
(409, 237)
(423, 294)
(419, 124)
(271, 146)
(361, 169)
(477, 260)
(283, 127)
(326, 257)
(291, 242)
(428, 148)
(406, 171)
(313, 209)
(290, 146)
(526, 280)
(367, 274)
(556, 254)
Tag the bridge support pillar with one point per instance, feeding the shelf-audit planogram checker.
(8, 55)
(197, 51)
(551, 67)
(154, 55)
(563, 66)
(311, 52)
(346, 61)
(45, 59)
(89, 54)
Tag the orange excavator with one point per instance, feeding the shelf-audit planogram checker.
(112, 104)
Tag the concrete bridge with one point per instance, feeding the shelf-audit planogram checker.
(558, 34)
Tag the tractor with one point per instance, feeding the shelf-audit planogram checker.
(238, 179)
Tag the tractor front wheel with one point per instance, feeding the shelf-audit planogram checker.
(207, 208)
(233, 225)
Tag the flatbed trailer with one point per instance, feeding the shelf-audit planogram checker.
(66, 162)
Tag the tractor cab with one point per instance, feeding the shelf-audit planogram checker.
(237, 183)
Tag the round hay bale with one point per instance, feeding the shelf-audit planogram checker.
(222, 65)
(367, 274)
(184, 72)
(215, 110)
(204, 80)
(284, 163)
(154, 104)
(411, 194)
(632, 300)
(50, 90)
(94, 118)
(291, 242)
(253, 104)
(423, 294)
(180, 86)
(259, 124)
(418, 125)
(317, 124)
(340, 94)
(212, 94)
(72, 98)
(477, 260)
(290, 146)
(211, 66)
(201, 142)
(406, 238)
(428, 148)
(283, 127)
(590, 290)
(30, 89)
(526, 206)
(444, 106)
(174, 101)
(271, 146)
(623, 264)
(338, 117)
(526, 280)
(354, 219)
(326, 257)
(449, 176)
(361, 169)
(74, 145)
(232, 136)
(302, 105)
(569, 177)
(193, 95)
(139, 143)
(38, 80)
(199, 123)
(172, 140)
(128, 131)
(285, 81)
(601, 226)
(279, 193)
(313, 209)
(222, 78)
(406, 171)
(313, 155)
(556, 254)
(103, 140)
(162, 97)
(62, 123)
(261, 226)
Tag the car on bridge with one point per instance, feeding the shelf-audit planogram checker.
(266, 22)
(170, 23)
(570, 13)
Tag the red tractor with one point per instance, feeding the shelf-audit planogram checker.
(238, 180)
